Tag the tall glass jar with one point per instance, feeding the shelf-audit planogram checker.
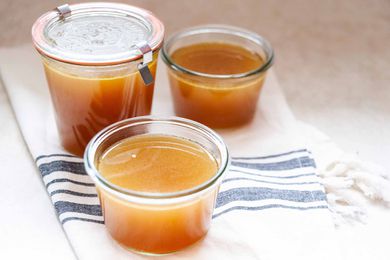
(100, 61)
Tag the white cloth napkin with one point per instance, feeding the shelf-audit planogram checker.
(271, 204)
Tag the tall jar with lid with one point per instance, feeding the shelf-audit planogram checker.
(100, 62)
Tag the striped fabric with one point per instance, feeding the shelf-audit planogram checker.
(285, 180)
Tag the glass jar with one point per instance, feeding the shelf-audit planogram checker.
(100, 61)
(157, 223)
(217, 100)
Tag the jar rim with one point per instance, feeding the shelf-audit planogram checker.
(45, 45)
(220, 29)
(92, 147)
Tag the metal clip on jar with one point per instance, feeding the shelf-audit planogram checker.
(100, 63)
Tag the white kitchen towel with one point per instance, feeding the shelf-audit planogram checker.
(271, 204)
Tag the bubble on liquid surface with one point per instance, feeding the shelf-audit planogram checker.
(97, 35)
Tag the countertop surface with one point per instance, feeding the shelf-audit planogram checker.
(332, 62)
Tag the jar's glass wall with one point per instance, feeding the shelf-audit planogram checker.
(157, 223)
(223, 100)
(88, 98)
(157, 229)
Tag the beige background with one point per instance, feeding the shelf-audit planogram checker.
(332, 57)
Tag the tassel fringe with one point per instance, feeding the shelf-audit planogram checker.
(350, 184)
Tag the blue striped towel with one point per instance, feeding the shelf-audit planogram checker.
(270, 205)
(285, 180)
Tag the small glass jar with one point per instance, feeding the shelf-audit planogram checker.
(217, 100)
(157, 223)
(100, 61)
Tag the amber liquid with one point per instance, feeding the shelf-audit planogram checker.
(216, 102)
(85, 105)
(157, 164)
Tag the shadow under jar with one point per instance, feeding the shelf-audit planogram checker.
(100, 61)
(157, 180)
(216, 73)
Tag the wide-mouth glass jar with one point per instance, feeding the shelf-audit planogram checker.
(217, 99)
(100, 61)
(155, 222)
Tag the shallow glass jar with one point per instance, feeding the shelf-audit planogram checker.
(217, 100)
(100, 61)
(157, 223)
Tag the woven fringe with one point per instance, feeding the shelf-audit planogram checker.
(350, 183)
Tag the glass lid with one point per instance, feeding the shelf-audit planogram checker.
(96, 33)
